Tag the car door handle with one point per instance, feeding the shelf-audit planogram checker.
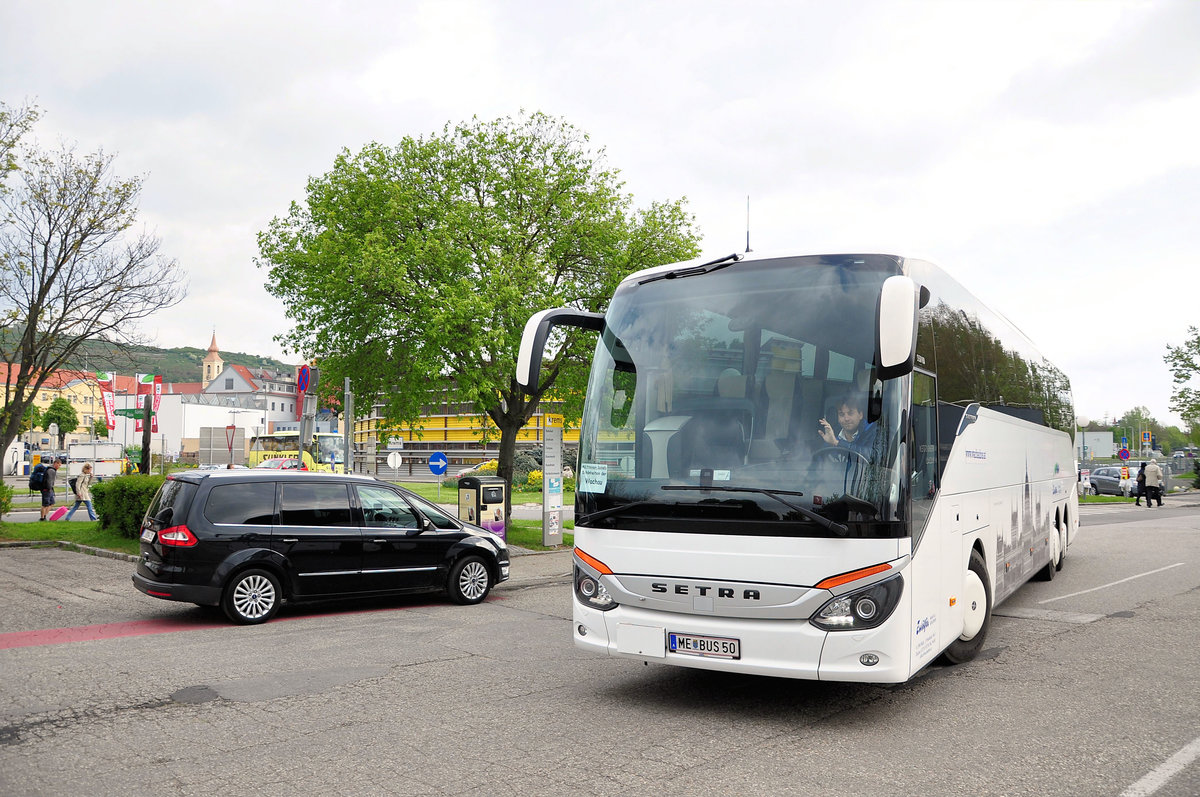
(379, 542)
(291, 540)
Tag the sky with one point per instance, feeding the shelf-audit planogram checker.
(1046, 153)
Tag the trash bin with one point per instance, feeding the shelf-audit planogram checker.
(481, 501)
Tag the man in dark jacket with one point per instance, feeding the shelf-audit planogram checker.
(48, 488)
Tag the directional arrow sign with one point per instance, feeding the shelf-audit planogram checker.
(131, 413)
(438, 463)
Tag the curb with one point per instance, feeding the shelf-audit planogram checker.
(72, 546)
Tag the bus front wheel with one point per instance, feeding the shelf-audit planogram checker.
(977, 613)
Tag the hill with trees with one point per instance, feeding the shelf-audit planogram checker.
(175, 365)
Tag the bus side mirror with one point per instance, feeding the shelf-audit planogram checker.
(896, 326)
(537, 331)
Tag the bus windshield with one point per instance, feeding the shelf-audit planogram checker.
(745, 401)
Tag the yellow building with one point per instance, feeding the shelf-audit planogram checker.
(81, 390)
(464, 436)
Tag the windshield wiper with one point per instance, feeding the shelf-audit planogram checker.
(820, 520)
(612, 510)
(691, 271)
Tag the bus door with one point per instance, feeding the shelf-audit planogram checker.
(932, 526)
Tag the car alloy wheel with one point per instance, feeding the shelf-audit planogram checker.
(252, 597)
(470, 580)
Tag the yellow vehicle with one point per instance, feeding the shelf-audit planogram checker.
(325, 452)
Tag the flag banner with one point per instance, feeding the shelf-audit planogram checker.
(145, 387)
(158, 387)
(106, 380)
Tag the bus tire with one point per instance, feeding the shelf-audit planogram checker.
(977, 609)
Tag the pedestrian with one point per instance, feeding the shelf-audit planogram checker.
(1154, 482)
(48, 488)
(83, 492)
(1141, 486)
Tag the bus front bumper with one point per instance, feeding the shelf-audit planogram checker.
(780, 648)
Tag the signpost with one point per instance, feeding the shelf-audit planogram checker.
(437, 466)
(394, 461)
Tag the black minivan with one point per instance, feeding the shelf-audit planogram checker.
(251, 540)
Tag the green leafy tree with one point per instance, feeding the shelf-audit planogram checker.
(1184, 362)
(71, 269)
(61, 412)
(100, 428)
(412, 269)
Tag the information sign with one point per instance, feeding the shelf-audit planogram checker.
(552, 484)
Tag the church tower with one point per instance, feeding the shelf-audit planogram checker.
(213, 364)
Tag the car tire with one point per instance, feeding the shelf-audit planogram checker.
(470, 580)
(1095, 489)
(977, 590)
(251, 597)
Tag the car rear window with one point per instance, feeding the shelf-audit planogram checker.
(243, 504)
(174, 495)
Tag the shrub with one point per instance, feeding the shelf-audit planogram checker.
(525, 462)
(121, 502)
(6, 494)
(1196, 469)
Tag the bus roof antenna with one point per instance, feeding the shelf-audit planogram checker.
(748, 250)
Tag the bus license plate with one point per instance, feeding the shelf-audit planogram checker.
(713, 647)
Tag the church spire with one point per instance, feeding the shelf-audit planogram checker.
(212, 365)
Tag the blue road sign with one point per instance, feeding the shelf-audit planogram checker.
(438, 463)
(302, 378)
(1123, 453)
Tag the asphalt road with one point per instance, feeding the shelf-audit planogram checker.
(1086, 686)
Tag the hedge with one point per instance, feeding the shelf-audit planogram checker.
(121, 502)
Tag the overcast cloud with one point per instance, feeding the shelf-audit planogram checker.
(1045, 152)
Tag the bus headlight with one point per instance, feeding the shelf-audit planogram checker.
(591, 592)
(864, 608)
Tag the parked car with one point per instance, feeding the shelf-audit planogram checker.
(250, 541)
(280, 464)
(1108, 481)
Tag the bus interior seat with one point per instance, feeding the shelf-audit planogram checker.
(717, 436)
(776, 438)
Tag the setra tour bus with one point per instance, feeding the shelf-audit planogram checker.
(815, 466)
(326, 452)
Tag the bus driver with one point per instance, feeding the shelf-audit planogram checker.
(854, 434)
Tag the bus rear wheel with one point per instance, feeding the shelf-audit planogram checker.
(977, 613)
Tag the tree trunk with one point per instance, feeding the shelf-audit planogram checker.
(144, 467)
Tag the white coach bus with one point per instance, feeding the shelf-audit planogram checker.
(816, 466)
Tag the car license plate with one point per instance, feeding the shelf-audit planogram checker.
(713, 647)
(148, 535)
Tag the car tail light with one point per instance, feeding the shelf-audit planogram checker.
(179, 536)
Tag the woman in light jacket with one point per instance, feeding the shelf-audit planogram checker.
(83, 492)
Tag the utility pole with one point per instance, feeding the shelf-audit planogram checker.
(348, 432)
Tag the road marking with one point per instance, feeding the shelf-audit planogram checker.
(1156, 778)
(1112, 584)
(90, 633)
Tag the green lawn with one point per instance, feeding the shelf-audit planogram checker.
(86, 532)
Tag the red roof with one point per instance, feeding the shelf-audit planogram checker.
(246, 374)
